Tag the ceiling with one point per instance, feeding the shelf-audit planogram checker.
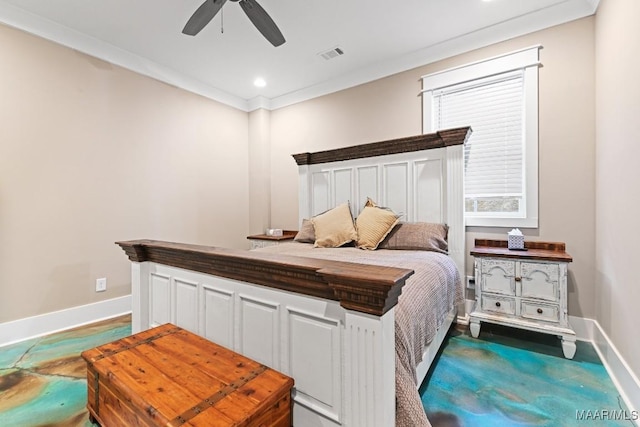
(378, 38)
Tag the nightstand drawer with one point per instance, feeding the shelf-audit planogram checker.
(498, 304)
(540, 280)
(257, 244)
(498, 276)
(548, 313)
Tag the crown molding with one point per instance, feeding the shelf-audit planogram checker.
(560, 13)
(259, 102)
(594, 4)
(33, 24)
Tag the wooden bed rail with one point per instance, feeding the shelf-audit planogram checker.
(364, 288)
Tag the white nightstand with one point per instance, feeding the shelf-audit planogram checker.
(262, 240)
(523, 289)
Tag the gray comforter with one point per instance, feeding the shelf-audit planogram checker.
(426, 298)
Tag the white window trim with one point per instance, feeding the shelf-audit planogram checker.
(527, 60)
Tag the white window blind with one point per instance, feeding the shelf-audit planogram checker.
(498, 98)
(493, 107)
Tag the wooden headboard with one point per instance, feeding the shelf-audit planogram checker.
(420, 177)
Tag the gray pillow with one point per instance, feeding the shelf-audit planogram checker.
(307, 233)
(417, 236)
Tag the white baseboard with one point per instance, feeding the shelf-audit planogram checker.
(621, 374)
(36, 326)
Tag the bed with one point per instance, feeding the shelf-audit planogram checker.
(330, 321)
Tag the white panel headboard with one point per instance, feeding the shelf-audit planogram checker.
(419, 177)
(412, 184)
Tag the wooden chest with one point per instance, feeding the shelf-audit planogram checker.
(167, 376)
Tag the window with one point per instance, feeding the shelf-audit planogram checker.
(498, 98)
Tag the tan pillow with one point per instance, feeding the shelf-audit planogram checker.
(417, 236)
(334, 228)
(373, 224)
(307, 233)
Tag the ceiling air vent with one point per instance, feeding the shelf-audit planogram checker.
(331, 53)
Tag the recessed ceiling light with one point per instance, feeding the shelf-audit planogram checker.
(259, 82)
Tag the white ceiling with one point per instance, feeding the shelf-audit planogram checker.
(378, 37)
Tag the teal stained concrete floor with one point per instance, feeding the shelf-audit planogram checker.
(43, 380)
(505, 378)
(509, 377)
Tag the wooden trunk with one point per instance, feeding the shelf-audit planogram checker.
(167, 376)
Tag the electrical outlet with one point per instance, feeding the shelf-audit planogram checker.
(471, 282)
(101, 284)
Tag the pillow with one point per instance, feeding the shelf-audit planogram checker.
(417, 236)
(307, 233)
(373, 224)
(334, 228)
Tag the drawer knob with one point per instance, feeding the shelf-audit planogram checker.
(518, 279)
(539, 311)
(497, 303)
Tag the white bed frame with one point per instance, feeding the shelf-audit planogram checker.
(342, 359)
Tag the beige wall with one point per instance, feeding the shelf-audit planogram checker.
(259, 170)
(617, 174)
(391, 107)
(91, 153)
(387, 108)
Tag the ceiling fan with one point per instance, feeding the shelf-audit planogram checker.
(251, 8)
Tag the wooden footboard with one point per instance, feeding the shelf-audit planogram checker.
(329, 325)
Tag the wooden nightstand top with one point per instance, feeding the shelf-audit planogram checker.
(286, 235)
(544, 251)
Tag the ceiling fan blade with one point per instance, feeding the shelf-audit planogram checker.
(262, 21)
(202, 16)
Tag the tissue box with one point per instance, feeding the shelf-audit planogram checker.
(515, 241)
(274, 232)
